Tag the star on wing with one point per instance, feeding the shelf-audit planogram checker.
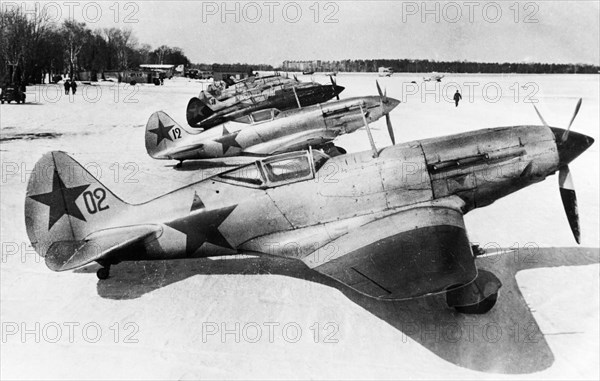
(162, 132)
(203, 227)
(61, 200)
(228, 140)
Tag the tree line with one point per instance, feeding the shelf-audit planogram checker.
(425, 66)
(31, 48)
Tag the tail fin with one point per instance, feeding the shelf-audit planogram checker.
(197, 111)
(163, 134)
(65, 202)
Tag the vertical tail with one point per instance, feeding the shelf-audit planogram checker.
(163, 134)
(197, 111)
(65, 202)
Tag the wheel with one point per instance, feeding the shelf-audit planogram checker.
(2, 101)
(103, 273)
(477, 297)
(179, 165)
(480, 308)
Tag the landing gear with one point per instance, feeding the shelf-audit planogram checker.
(477, 297)
(480, 308)
(103, 273)
(179, 165)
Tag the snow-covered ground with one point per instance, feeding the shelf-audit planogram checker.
(258, 318)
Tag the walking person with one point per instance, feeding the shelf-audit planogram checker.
(457, 98)
(67, 86)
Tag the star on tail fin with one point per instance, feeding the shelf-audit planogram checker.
(163, 135)
(65, 202)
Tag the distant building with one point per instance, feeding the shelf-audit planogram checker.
(314, 65)
(237, 71)
(168, 70)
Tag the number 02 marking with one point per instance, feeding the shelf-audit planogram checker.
(94, 200)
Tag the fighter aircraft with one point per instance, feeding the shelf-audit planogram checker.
(249, 93)
(245, 85)
(282, 97)
(267, 131)
(434, 78)
(385, 222)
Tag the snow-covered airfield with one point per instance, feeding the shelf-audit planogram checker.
(259, 318)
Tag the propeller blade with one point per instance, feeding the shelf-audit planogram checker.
(540, 116)
(379, 89)
(569, 200)
(333, 85)
(390, 129)
(296, 78)
(566, 133)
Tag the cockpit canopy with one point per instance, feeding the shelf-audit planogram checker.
(277, 170)
(259, 116)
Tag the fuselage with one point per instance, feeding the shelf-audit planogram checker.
(246, 85)
(271, 131)
(284, 97)
(293, 214)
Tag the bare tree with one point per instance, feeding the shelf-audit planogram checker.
(14, 33)
(120, 43)
(75, 34)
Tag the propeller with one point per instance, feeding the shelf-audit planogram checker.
(383, 100)
(334, 84)
(569, 200)
(565, 180)
(296, 78)
(566, 134)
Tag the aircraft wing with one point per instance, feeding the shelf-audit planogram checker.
(411, 253)
(68, 255)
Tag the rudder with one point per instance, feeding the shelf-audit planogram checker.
(197, 111)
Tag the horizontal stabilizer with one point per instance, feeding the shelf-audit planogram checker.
(68, 255)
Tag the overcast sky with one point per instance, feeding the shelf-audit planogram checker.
(273, 31)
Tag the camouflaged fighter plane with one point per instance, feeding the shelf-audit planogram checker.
(266, 131)
(203, 114)
(249, 84)
(387, 223)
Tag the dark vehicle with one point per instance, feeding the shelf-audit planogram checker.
(13, 93)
